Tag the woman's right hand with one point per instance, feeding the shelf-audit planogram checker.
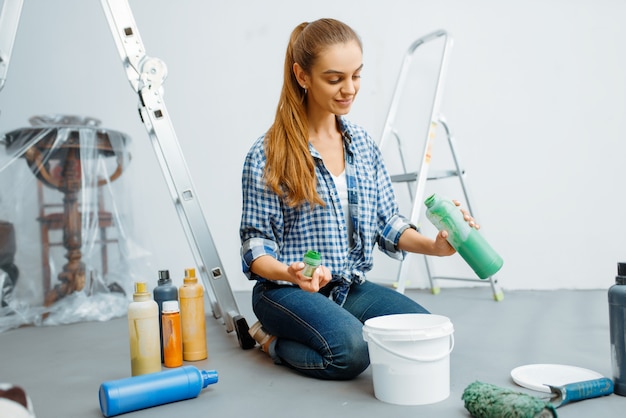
(320, 278)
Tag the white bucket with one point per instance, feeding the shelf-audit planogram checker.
(410, 357)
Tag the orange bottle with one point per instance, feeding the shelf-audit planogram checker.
(191, 295)
(172, 334)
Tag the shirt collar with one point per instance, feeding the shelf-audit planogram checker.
(345, 130)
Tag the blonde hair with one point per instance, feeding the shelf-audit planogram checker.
(290, 169)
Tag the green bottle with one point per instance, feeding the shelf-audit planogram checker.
(467, 241)
(312, 260)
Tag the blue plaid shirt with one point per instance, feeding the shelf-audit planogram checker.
(270, 227)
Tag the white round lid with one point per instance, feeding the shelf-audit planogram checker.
(170, 306)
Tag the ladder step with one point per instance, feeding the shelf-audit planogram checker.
(435, 175)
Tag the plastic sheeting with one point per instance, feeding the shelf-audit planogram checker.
(62, 183)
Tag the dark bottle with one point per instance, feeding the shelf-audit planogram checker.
(164, 290)
(617, 321)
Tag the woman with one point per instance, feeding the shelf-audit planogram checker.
(316, 181)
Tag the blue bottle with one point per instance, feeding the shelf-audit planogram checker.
(164, 290)
(148, 390)
(617, 325)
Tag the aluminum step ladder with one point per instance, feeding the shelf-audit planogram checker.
(416, 181)
(146, 75)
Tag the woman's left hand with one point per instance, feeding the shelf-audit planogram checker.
(467, 216)
(442, 246)
(413, 241)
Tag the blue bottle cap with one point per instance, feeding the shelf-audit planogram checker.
(208, 377)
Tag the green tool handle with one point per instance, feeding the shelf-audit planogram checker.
(585, 390)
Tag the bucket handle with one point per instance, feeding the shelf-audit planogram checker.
(420, 359)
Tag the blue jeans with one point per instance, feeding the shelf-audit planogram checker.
(316, 336)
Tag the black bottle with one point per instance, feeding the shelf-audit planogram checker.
(617, 321)
(164, 290)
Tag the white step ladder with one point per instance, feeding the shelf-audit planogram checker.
(416, 181)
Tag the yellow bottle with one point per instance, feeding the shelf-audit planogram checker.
(143, 330)
(192, 316)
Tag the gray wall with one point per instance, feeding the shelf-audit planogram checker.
(535, 94)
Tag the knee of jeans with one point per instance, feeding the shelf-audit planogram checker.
(353, 358)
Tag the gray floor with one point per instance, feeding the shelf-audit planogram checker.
(61, 367)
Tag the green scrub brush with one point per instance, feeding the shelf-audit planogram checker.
(484, 400)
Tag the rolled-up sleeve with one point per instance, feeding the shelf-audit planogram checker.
(388, 239)
(261, 215)
(254, 248)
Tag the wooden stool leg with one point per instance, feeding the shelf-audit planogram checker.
(45, 240)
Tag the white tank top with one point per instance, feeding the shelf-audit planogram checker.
(342, 190)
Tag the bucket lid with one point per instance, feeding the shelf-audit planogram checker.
(409, 327)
